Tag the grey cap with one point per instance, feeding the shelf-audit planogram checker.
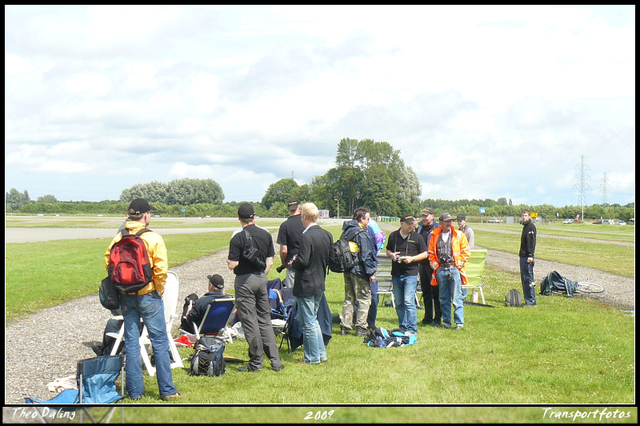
(444, 217)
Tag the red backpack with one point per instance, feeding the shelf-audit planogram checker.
(129, 266)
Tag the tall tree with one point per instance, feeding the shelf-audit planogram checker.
(372, 174)
(280, 191)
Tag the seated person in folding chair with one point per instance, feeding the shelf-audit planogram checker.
(194, 310)
(147, 305)
(104, 349)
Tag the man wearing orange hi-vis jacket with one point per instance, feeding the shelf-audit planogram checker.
(448, 255)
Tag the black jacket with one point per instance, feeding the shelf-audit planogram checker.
(528, 239)
(365, 260)
(311, 264)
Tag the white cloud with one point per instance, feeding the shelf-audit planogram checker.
(204, 93)
(95, 84)
(140, 75)
(482, 101)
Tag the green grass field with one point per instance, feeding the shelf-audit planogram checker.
(565, 351)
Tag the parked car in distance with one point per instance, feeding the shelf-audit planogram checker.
(597, 222)
(568, 221)
(494, 220)
(621, 222)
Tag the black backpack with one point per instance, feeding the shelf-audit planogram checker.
(208, 360)
(340, 257)
(513, 299)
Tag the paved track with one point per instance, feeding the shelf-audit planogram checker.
(29, 235)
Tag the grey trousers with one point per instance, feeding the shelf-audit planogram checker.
(254, 311)
(357, 291)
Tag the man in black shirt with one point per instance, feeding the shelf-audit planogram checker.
(403, 246)
(527, 262)
(251, 256)
(430, 294)
(289, 236)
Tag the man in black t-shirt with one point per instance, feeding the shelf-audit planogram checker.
(289, 236)
(430, 294)
(405, 246)
(252, 294)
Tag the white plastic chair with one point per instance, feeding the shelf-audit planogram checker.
(170, 299)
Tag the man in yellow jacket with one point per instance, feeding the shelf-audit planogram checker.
(146, 305)
(448, 254)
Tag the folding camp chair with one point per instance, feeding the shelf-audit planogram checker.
(96, 379)
(170, 300)
(276, 299)
(474, 269)
(281, 319)
(385, 284)
(216, 318)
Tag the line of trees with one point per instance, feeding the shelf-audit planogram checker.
(278, 209)
(367, 173)
(183, 192)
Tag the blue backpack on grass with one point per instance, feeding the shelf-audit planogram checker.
(382, 338)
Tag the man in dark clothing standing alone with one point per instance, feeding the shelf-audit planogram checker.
(252, 295)
(527, 251)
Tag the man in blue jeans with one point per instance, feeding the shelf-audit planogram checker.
(310, 266)
(448, 254)
(403, 247)
(146, 305)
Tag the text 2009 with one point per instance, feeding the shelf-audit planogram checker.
(320, 415)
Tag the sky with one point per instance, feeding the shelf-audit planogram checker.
(521, 102)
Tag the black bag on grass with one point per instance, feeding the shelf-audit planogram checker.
(208, 360)
(513, 299)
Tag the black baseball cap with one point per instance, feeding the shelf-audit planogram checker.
(428, 211)
(245, 211)
(139, 206)
(216, 280)
(408, 218)
(293, 203)
(461, 217)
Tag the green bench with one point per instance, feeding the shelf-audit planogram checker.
(474, 270)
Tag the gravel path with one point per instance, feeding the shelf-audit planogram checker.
(618, 290)
(62, 332)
